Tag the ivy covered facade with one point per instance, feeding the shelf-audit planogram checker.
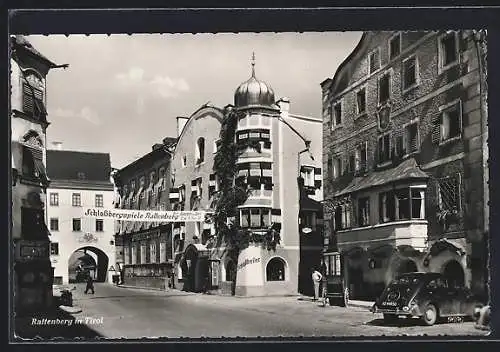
(245, 165)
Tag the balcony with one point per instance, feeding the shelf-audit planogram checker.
(408, 232)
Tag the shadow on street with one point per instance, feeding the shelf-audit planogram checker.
(25, 328)
(407, 322)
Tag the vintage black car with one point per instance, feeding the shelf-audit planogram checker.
(428, 296)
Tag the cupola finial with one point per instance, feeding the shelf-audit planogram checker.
(253, 64)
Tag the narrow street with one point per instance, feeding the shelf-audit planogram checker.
(118, 312)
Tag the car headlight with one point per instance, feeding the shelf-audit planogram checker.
(406, 308)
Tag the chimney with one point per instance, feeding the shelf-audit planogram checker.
(284, 104)
(157, 146)
(181, 122)
(57, 145)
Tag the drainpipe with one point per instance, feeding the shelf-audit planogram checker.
(479, 39)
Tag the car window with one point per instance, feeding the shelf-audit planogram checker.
(432, 285)
(441, 283)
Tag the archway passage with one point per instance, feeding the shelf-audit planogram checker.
(88, 260)
(407, 266)
(195, 270)
(454, 274)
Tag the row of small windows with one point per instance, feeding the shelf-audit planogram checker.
(400, 204)
(448, 56)
(447, 127)
(260, 135)
(76, 224)
(76, 200)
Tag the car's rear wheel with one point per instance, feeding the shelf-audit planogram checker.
(476, 312)
(431, 315)
(390, 318)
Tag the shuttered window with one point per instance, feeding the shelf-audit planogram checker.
(33, 166)
(412, 136)
(32, 100)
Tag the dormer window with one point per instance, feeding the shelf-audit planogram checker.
(200, 150)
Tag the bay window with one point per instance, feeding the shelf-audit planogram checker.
(307, 174)
(342, 217)
(255, 218)
(364, 211)
(402, 204)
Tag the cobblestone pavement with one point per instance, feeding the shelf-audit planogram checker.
(118, 312)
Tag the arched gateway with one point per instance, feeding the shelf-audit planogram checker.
(90, 260)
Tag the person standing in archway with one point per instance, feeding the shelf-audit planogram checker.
(90, 284)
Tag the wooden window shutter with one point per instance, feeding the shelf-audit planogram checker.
(28, 101)
(436, 128)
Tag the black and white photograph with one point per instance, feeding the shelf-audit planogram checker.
(272, 184)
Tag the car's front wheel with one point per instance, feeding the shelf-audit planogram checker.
(431, 315)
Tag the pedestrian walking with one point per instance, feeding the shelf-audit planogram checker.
(316, 277)
(90, 284)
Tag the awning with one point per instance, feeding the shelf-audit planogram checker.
(407, 170)
(307, 203)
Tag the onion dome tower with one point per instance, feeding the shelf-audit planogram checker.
(254, 93)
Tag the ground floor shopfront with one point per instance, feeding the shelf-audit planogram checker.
(147, 258)
(368, 270)
(258, 271)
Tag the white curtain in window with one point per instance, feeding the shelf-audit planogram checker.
(445, 127)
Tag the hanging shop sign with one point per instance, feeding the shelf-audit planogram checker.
(146, 215)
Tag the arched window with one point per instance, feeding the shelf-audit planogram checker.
(200, 150)
(33, 94)
(275, 270)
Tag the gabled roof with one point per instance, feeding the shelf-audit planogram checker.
(20, 41)
(407, 170)
(66, 165)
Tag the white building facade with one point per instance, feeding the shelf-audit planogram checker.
(78, 241)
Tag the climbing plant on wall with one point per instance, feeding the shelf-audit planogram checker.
(231, 194)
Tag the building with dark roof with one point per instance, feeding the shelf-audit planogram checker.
(79, 180)
(405, 149)
(32, 272)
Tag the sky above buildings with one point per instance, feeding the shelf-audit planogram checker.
(121, 94)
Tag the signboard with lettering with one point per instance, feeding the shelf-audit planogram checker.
(146, 215)
(250, 267)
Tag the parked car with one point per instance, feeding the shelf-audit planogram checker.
(428, 296)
